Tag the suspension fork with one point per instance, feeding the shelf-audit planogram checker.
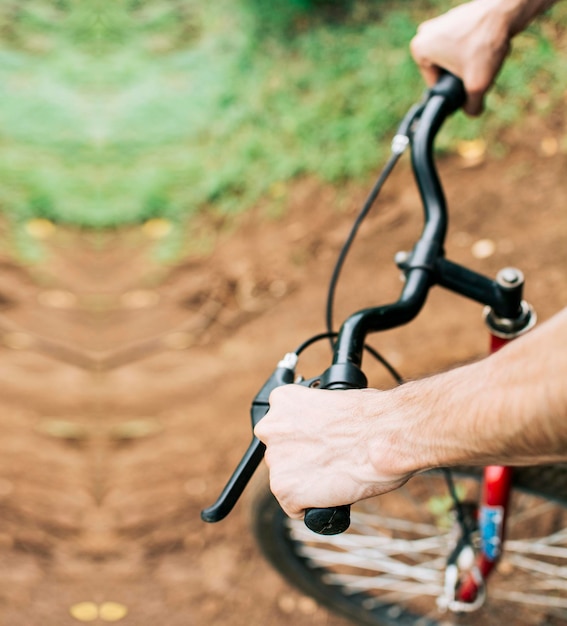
(497, 480)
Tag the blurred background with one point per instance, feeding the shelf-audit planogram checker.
(177, 178)
(118, 113)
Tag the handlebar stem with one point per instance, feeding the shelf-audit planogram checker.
(505, 300)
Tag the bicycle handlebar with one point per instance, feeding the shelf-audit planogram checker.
(441, 101)
(444, 98)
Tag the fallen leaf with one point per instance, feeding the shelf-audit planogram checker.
(84, 611)
(136, 429)
(62, 429)
(112, 611)
(157, 228)
(40, 228)
(472, 152)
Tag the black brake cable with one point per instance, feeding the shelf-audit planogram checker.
(389, 367)
(314, 339)
(462, 520)
(399, 144)
(394, 157)
(308, 342)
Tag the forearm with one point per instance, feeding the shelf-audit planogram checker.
(509, 409)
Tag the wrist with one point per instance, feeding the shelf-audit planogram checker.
(404, 435)
(516, 15)
(438, 420)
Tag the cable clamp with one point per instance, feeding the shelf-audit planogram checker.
(399, 144)
(289, 361)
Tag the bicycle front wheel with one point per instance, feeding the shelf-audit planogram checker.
(388, 568)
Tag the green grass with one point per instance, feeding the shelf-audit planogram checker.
(113, 113)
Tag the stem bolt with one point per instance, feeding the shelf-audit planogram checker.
(510, 277)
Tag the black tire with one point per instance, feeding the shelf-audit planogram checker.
(349, 573)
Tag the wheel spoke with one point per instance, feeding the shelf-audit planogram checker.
(559, 572)
(393, 523)
(522, 514)
(540, 547)
(380, 563)
(357, 584)
(530, 598)
(392, 561)
(376, 544)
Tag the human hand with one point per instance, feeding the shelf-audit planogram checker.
(328, 448)
(470, 41)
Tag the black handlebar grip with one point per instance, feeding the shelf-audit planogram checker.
(452, 88)
(331, 521)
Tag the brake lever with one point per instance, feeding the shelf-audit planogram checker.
(326, 521)
(284, 374)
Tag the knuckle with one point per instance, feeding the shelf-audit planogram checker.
(477, 82)
(277, 487)
(259, 432)
(416, 47)
(262, 429)
(276, 395)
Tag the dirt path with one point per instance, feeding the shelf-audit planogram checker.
(125, 387)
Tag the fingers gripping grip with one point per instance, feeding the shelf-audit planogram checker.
(335, 520)
(331, 521)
